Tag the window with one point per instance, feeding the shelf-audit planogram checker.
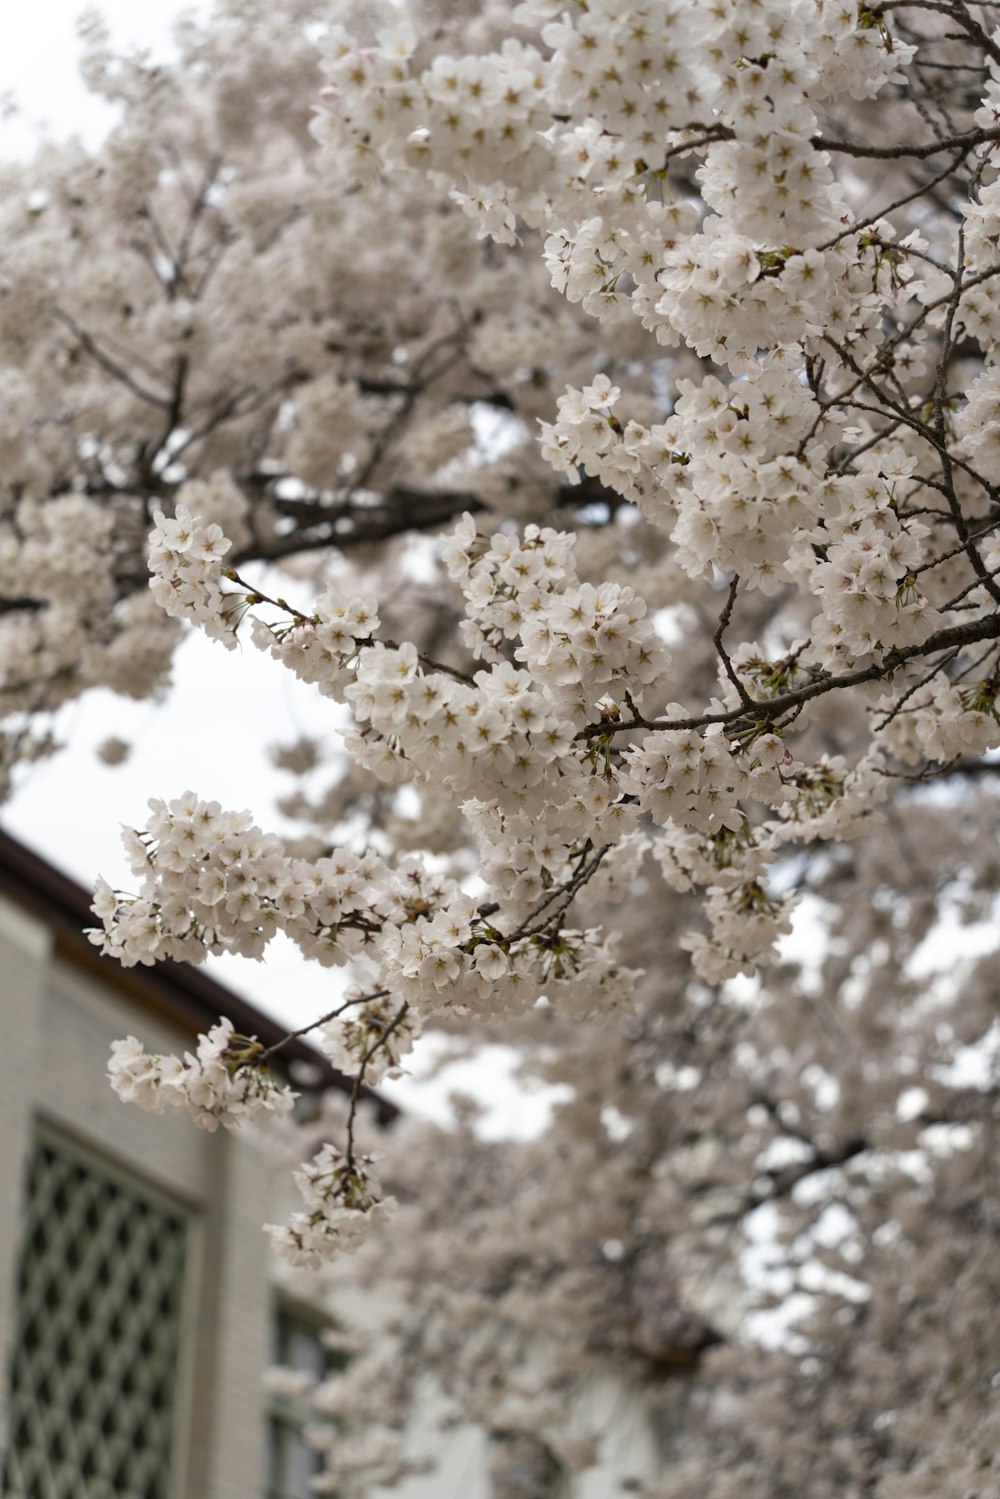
(96, 1336)
(297, 1344)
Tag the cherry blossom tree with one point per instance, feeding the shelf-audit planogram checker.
(614, 388)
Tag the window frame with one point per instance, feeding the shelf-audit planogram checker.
(286, 1417)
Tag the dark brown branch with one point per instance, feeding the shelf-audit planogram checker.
(535, 923)
(766, 712)
(965, 142)
(198, 206)
(918, 192)
(720, 649)
(359, 1080)
(361, 999)
(118, 371)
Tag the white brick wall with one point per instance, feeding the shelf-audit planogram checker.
(24, 947)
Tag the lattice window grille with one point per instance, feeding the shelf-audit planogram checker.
(97, 1335)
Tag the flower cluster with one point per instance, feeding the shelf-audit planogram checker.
(732, 470)
(732, 864)
(57, 551)
(687, 778)
(583, 645)
(577, 141)
(62, 629)
(536, 797)
(742, 475)
(953, 719)
(213, 882)
(322, 648)
(834, 800)
(343, 1205)
(867, 586)
(226, 1081)
(487, 110)
(373, 1037)
(185, 559)
(977, 423)
(549, 794)
(744, 923)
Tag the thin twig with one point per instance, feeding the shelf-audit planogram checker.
(721, 651)
(359, 1080)
(361, 999)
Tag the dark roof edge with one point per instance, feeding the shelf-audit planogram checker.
(180, 990)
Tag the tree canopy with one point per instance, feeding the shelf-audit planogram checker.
(614, 387)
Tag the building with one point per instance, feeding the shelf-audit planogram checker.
(136, 1310)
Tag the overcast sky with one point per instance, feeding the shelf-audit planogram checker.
(38, 63)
